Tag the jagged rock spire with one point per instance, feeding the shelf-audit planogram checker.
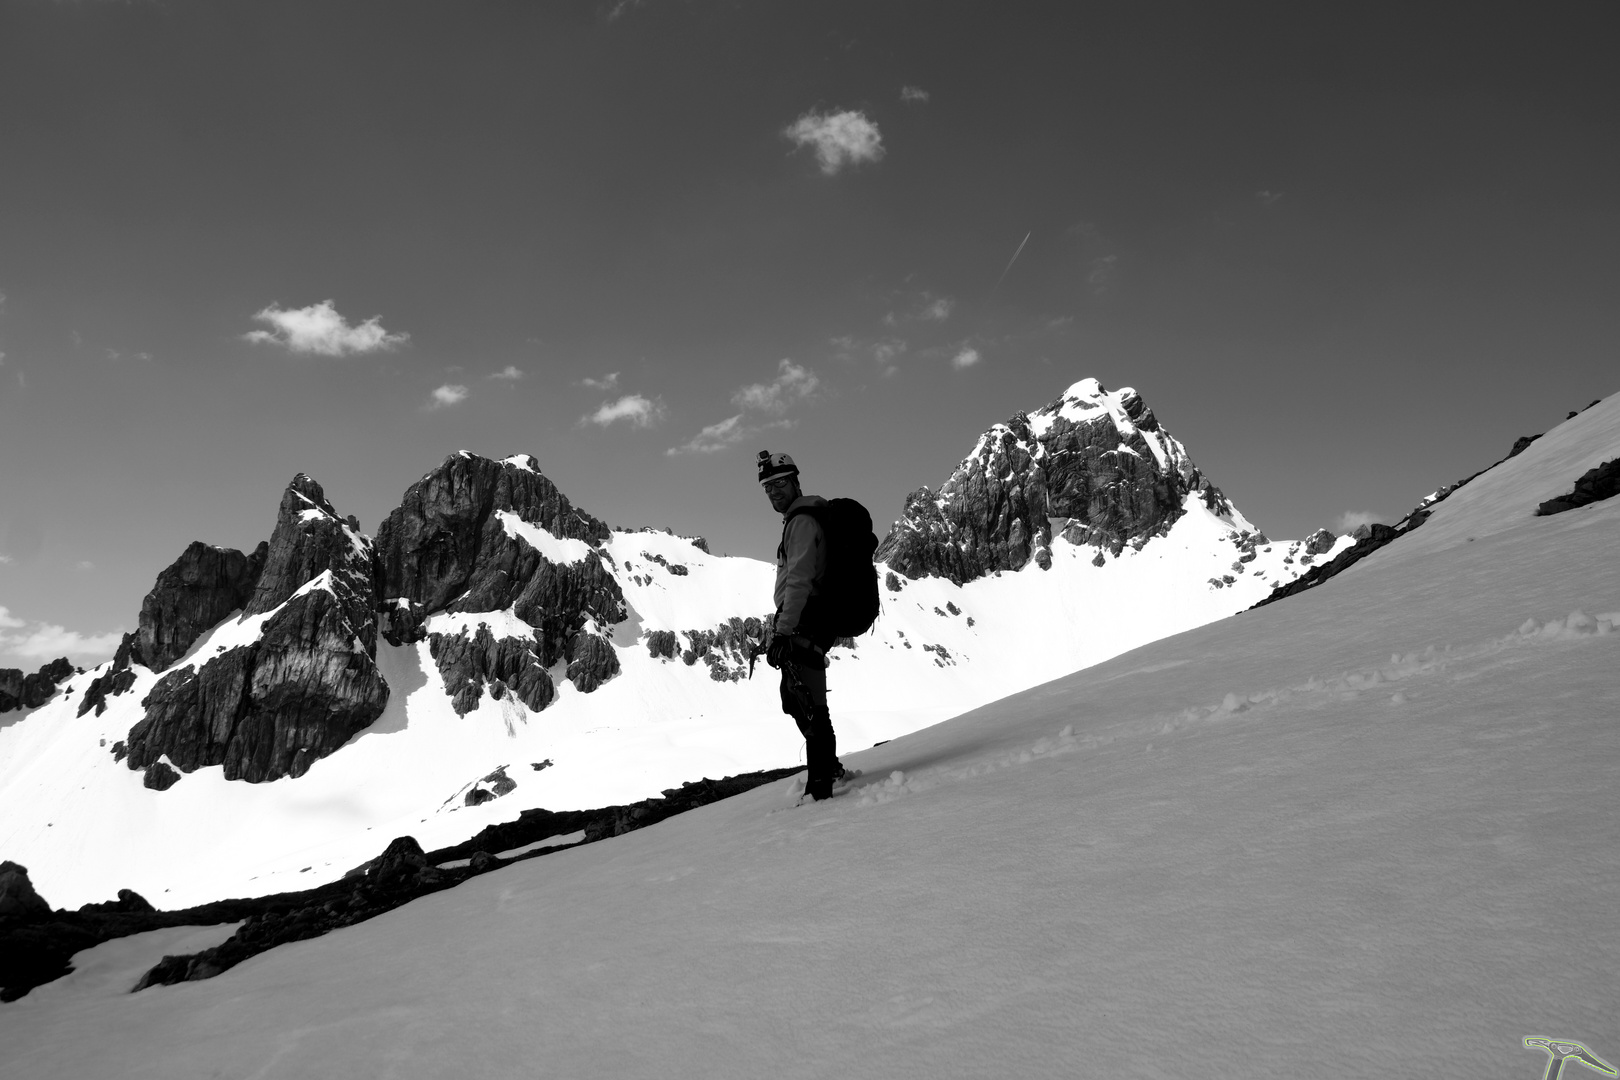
(1094, 466)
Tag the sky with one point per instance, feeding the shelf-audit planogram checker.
(1346, 254)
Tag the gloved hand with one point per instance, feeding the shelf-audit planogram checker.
(778, 651)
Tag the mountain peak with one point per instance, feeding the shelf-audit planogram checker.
(1093, 465)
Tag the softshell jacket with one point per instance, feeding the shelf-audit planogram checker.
(801, 559)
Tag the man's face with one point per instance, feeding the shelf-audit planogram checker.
(782, 491)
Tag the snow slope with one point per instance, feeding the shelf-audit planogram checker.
(1368, 831)
(85, 826)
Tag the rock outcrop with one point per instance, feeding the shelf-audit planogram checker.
(1594, 485)
(477, 536)
(1093, 467)
(30, 691)
(304, 684)
(17, 896)
(470, 663)
(725, 649)
(450, 545)
(200, 588)
(190, 597)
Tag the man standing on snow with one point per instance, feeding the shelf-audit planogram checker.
(797, 643)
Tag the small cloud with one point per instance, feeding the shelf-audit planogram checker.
(791, 384)
(1351, 520)
(913, 95)
(726, 433)
(2, 359)
(839, 139)
(1103, 271)
(45, 641)
(1266, 198)
(22, 380)
(884, 352)
(714, 437)
(965, 357)
(637, 410)
(448, 394)
(319, 329)
(5, 560)
(606, 383)
(510, 374)
(617, 11)
(84, 565)
(925, 308)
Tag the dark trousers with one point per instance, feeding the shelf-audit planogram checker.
(804, 697)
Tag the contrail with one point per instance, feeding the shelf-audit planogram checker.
(1014, 259)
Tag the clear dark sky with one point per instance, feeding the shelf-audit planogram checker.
(1346, 252)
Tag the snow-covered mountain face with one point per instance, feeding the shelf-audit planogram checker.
(280, 715)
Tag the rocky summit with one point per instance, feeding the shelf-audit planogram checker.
(266, 705)
(293, 676)
(1094, 467)
(477, 536)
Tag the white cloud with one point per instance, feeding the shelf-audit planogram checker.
(714, 437)
(639, 411)
(913, 95)
(448, 394)
(511, 373)
(925, 308)
(319, 329)
(608, 382)
(839, 139)
(791, 384)
(84, 564)
(1103, 270)
(1351, 520)
(47, 641)
(727, 432)
(965, 357)
(5, 560)
(884, 352)
(1266, 198)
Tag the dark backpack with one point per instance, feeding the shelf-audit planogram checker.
(846, 600)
